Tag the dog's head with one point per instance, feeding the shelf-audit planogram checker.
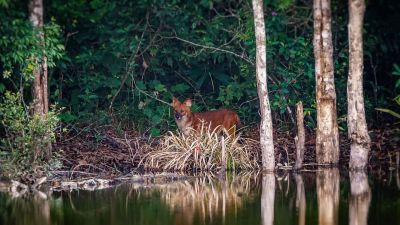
(181, 110)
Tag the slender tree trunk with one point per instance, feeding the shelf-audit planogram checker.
(360, 198)
(328, 196)
(266, 133)
(327, 142)
(39, 87)
(301, 137)
(357, 126)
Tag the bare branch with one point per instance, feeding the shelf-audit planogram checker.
(212, 48)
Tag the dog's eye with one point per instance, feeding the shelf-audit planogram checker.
(182, 111)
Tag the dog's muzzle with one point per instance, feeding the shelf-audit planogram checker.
(178, 116)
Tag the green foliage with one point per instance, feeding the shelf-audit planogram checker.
(22, 50)
(24, 133)
(135, 60)
(139, 48)
(396, 72)
(4, 3)
(19, 48)
(389, 111)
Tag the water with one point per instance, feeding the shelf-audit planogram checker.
(322, 197)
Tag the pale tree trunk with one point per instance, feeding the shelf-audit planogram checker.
(328, 196)
(301, 137)
(266, 133)
(268, 199)
(39, 87)
(327, 141)
(360, 198)
(357, 126)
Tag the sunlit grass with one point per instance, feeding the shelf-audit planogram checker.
(203, 151)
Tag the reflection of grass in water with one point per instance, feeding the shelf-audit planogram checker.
(178, 202)
(207, 197)
(203, 151)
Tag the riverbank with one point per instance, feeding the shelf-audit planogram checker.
(104, 152)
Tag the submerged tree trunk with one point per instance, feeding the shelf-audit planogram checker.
(327, 141)
(357, 126)
(39, 87)
(266, 134)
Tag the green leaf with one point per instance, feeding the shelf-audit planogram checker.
(156, 118)
(2, 87)
(180, 88)
(397, 70)
(391, 112)
(67, 117)
(140, 84)
(154, 132)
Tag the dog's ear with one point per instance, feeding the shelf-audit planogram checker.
(175, 102)
(188, 102)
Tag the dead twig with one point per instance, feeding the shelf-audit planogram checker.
(212, 48)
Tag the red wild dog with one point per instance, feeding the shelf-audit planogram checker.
(187, 120)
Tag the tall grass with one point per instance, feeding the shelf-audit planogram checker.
(206, 150)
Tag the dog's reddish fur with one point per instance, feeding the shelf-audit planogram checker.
(187, 120)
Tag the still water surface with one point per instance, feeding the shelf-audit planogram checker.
(322, 197)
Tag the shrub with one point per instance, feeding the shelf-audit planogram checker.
(23, 133)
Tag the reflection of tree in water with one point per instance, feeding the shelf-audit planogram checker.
(360, 198)
(300, 199)
(328, 196)
(32, 208)
(268, 199)
(206, 197)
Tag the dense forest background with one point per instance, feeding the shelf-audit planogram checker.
(116, 61)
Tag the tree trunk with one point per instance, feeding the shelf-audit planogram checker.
(357, 126)
(327, 141)
(328, 196)
(36, 17)
(266, 134)
(360, 198)
(39, 87)
(301, 137)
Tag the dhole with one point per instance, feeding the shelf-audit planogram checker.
(187, 120)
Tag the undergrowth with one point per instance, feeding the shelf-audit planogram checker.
(23, 133)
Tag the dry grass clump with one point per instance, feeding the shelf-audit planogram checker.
(203, 151)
